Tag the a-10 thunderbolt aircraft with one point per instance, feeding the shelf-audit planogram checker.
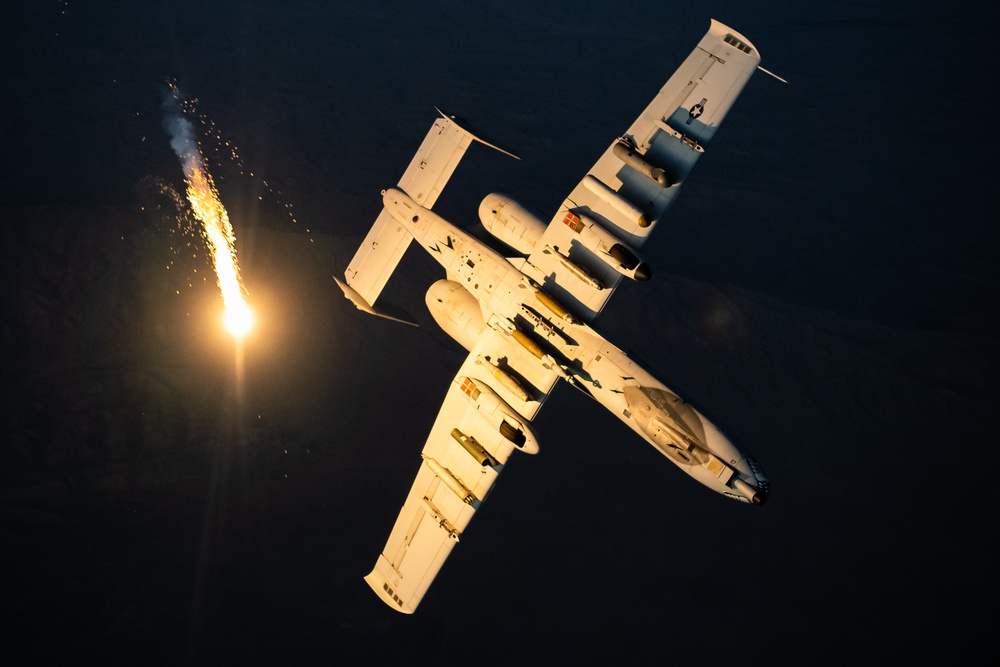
(525, 319)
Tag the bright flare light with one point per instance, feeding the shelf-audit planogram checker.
(239, 320)
(208, 209)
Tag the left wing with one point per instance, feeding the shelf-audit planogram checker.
(637, 178)
(483, 419)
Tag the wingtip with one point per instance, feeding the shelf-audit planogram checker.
(385, 593)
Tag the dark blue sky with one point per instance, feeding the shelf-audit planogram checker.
(824, 289)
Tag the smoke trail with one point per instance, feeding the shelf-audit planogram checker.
(208, 209)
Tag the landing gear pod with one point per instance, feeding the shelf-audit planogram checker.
(513, 434)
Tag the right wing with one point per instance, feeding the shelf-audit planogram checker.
(630, 187)
(454, 478)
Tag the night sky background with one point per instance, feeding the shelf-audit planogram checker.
(825, 290)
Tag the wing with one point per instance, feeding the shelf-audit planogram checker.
(633, 183)
(484, 418)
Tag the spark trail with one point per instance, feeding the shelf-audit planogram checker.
(208, 209)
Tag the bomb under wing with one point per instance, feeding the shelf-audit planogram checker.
(526, 319)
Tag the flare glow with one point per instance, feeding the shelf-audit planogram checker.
(209, 211)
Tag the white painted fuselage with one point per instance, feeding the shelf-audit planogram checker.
(512, 303)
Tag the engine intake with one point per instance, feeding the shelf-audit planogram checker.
(456, 311)
(510, 222)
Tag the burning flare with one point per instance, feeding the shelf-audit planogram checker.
(208, 209)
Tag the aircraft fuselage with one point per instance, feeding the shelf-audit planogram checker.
(515, 305)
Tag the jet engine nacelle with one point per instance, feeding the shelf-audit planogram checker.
(606, 245)
(510, 222)
(456, 311)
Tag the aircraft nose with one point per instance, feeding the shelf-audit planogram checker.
(643, 272)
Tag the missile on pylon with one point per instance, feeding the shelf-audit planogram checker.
(554, 306)
(452, 482)
(578, 271)
(524, 341)
(505, 378)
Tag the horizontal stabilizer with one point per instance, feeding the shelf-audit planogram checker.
(377, 258)
(428, 172)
